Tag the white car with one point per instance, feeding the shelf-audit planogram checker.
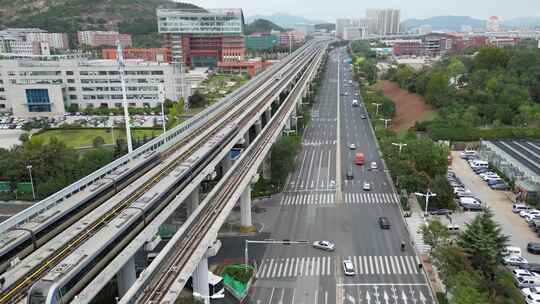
(533, 298)
(324, 245)
(523, 213)
(514, 261)
(348, 268)
(352, 146)
(530, 290)
(532, 217)
(485, 175)
(518, 272)
(366, 186)
(373, 165)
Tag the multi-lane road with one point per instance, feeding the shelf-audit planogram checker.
(320, 203)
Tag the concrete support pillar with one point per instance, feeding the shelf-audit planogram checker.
(245, 207)
(126, 277)
(266, 165)
(258, 126)
(288, 123)
(268, 114)
(226, 163)
(193, 200)
(246, 138)
(200, 280)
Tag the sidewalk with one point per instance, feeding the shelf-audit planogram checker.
(414, 224)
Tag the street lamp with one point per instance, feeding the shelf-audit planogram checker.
(400, 145)
(427, 195)
(29, 167)
(377, 105)
(386, 121)
(122, 68)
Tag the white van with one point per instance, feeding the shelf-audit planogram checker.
(355, 103)
(524, 282)
(517, 208)
(512, 251)
(479, 164)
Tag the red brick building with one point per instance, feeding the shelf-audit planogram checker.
(148, 54)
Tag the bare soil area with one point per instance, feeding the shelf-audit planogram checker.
(409, 107)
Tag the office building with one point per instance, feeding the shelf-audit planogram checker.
(386, 21)
(260, 41)
(99, 38)
(146, 54)
(409, 47)
(38, 88)
(202, 37)
(355, 33)
(57, 41)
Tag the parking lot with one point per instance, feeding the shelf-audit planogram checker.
(500, 202)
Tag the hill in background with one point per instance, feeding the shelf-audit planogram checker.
(261, 26)
(326, 26)
(451, 23)
(284, 20)
(136, 17)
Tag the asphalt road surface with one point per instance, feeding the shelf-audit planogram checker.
(320, 203)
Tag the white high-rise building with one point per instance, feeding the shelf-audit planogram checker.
(492, 24)
(386, 21)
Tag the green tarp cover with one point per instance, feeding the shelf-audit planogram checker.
(238, 287)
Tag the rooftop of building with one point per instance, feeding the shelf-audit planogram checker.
(77, 62)
(525, 152)
(164, 12)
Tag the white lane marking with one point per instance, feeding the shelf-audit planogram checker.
(301, 266)
(280, 266)
(376, 259)
(271, 295)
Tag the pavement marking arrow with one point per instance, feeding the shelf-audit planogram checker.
(386, 297)
(422, 298)
(351, 299)
(404, 296)
(368, 297)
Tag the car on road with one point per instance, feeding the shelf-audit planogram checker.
(524, 213)
(324, 245)
(514, 261)
(441, 212)
(533, 248)
(363, 116)
(350, 174)
(352, 146)
(366, 186)
(384, 223)
(373, 165)
(511, 251)
(517, 208)
(348, 268)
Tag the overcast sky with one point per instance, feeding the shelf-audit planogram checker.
(331, 9)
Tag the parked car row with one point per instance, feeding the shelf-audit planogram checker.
(530, 215)
(481, 167)
(526, 275)
(463, 196)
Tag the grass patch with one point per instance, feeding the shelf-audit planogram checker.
(83, 138)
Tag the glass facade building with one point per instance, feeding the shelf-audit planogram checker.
(38, 100)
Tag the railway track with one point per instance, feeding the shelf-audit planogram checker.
(207, 217)
(17, 291)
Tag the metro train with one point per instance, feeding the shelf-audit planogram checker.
(65, 280)
(19, 242)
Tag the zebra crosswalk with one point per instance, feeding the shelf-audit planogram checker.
(327, 198)
(326, 265)
(371, 198)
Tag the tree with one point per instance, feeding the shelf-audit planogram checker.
(467, 290)
(437, 88)
(98, 142)
(483, 242)
(445, 194)
(435, 233)
(490, 59)
(282, 159)
(197, 100)
(24, 137)
(456, 67)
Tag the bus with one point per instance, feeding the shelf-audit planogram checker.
(359, 159)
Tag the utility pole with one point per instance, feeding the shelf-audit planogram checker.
(427, 195)
(186, 101)
(162, 100)
(122, 68)
(29, 167)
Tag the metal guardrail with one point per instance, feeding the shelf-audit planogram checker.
(160, 143)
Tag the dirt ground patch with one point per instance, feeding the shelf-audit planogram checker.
(409, 107)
